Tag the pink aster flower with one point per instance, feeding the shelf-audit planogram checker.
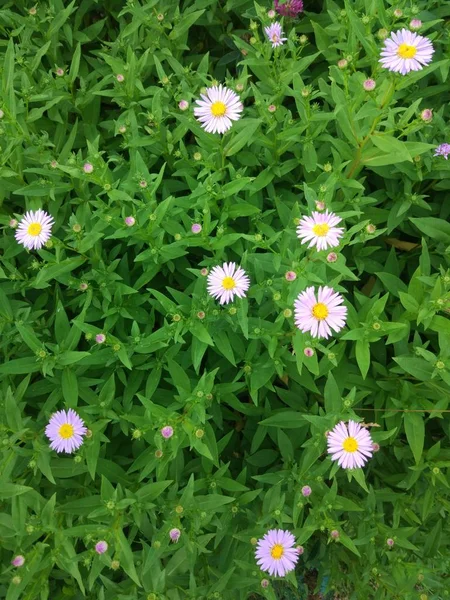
(320, 230)
(443, 150)
(289, 8)
(196, 228)
(218, 108)
(320, 315)
(227, 281)
(100, 338)
(175, 534)
(167, 432)
(18, 561)
(65, 430)
(350, 444)
(276, 552)
(405, 51)
(34, 229)
(101, 547)
(274, 34)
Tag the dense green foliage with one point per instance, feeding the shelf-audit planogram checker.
(249, 409)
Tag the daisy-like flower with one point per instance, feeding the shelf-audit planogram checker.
(320, 315)
(217, 109)
(227, 281)
(405, 51)
(34, 229)
(65, 431)
(274, 34)
(276, 552)
(320, 230)
(442, 150)
(351, 445)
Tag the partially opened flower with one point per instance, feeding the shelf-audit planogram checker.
(34, 229)
(320, 315)
(276, 552)
(175, 534)
(443, 150)
(65, 430)
(101, 547)
(227, 281)
(275, 34)
(406, 51)
(320, 230)
(218, 108)
(351, 445)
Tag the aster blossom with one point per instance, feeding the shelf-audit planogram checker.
(227, 281)
(35, 229)
(276, 552)
(350, 444)
(275, 34)
(405, 51)
(217, 108)
(443, 150)
(322, 314)
(320, 230)
(65, 430)
(289, 8)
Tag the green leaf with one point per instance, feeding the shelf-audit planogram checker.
(286, 419)
(415, 433)
(436, 229)
(242, 137)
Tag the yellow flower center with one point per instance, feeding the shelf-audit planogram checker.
(406, 51)
(218, 109)
(350, 445)
(277, 551)
(34, 229)
(275, 38)
(320, 311)
(66, 431)
(228, 283)
(321, 229)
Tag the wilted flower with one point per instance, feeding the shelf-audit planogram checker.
(174, 534)
(405, 51)
(275, 552)
(319, 316)
(351, 445)
(65, 430)
(274, 34)
(369, 85)
(289, 8)
(217, 108)
(183, 105)
(34, 229)
(442, 150)
(167, 432)
(18, 561)
(101, 547)
(227, 281)
(320, 230)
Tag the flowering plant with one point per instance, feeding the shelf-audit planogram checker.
(225, 300)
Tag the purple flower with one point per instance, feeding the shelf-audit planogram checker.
(390, 542)
(275, 552)
(405, 51)
(65, 430)
(443, 150)
(101, 547)
(308, 352)
(100, 338)
(167, 432)
(369, 85)
(306, 491)
(88, 168)
(196, 228)
(351, 445)
(320, 314)
(290, 8)
(274, 34)
(130, 221)
(174, 534)
(183, 104)
(18, 561)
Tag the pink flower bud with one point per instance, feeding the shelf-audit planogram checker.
(120, 78)
(265, 583)
(390, 542)
(306, 491)
(334, 534)
(13, 223)
(60, 72)
(426, 115)
(204, 272)
(143, 184)
(415, 24)
(101, 547)
(290, 276)
(196, 228)
(174, 534)
(167, 432)
(88, 168)
(18, 561)
(300, 550)
(308, 352)
(320, 205)
(375, 447)
(369, 85)
(271, 14)
(130, 221)
(100, 338)
(271, 108)
(183, 105)
(239, 87)
(342, 63)
(332, 257)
